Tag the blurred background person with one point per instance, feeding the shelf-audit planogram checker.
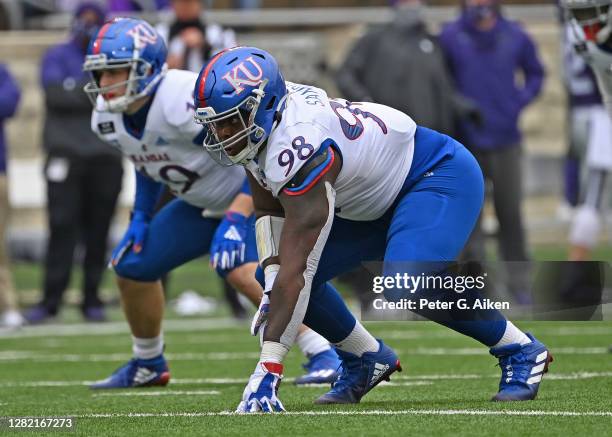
(401, 65)
(83, 174)
(9, 100)
(485, 51)
(118, 6)
(590, 141)
(246, 4)
(192, 41)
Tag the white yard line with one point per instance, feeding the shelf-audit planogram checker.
(395, 378)
(393, 383)
(411, 331)
(158, 393)
(111, 328)
(483, 351)
(15, 355)
(118, 357)
(536, 413)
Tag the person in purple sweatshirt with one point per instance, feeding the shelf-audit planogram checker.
(83, 174)
(485, 51)
(9, 99)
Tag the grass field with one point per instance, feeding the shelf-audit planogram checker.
(444, 390)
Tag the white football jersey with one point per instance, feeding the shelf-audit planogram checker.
(376, 143)
(167, 152)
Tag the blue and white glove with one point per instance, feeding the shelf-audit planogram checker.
(228, 243)
(133, 238)
(261, 316)
(260, 394)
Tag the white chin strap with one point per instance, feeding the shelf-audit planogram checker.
(118, 104)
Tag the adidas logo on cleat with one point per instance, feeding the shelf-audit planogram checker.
(143, 376)
(539, 369)
(379, 371)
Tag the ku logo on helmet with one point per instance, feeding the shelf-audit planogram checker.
(248, 77)
(144, 32)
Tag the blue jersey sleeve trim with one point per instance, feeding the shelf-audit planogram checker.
(316, 172)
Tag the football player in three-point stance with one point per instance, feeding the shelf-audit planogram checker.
(335, 183)
(147, 113)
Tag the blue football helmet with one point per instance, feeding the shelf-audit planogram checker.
(131, 44)
(241, 84)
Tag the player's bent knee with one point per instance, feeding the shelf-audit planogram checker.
(136, 271)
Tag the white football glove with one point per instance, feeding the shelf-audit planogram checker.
(261, 316)
(260, 394)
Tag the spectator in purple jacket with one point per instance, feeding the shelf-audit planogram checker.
(9, 99)
(83, 174)
(485, 51)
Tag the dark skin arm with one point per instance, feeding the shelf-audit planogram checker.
(305, 216)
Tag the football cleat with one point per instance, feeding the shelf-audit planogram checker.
(361, 374)
(39, 314)
(137, 373)
(322, 368)
(94, 314)
(523, 367)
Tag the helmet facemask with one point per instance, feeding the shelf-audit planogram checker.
(592, 22)
(139, 70)
(252, 133)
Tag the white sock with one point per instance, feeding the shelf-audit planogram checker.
(312, 343)
(147, 348)
(512, 335)
(358, 342)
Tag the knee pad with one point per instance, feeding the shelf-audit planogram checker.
(585, 227)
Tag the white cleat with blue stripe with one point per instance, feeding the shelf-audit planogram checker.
(523, 367)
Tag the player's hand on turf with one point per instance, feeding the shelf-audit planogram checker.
(260, 394)
(228, 243)
(133, 238)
